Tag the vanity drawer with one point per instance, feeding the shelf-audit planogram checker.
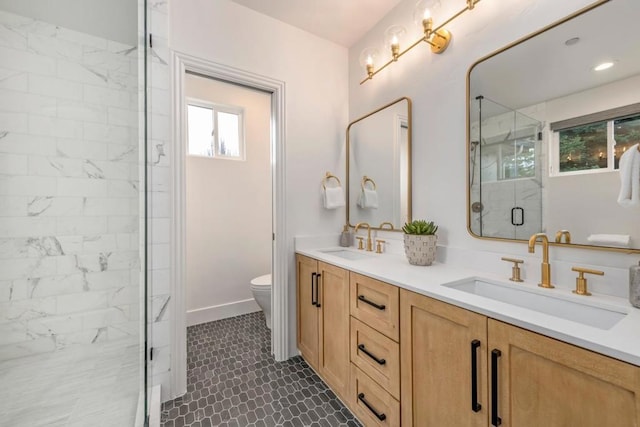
(376, 303)
(371, 403)
(376, 355)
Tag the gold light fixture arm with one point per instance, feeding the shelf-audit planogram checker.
(438, 38)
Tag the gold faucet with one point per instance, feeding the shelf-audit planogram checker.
(381, 227)
(545, 277)
(566, 234)
(369, 242)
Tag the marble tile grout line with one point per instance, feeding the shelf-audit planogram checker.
(234, 381)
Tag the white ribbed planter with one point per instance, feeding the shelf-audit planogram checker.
(420, 249)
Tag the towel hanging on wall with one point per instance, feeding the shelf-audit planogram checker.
(630, 177)
(368, 196)
(332, 197)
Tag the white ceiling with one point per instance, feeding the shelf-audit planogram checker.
(341, 21)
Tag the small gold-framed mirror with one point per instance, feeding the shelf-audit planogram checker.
(379, 167)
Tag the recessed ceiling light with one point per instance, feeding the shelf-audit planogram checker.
(603, 66)
(572, 41)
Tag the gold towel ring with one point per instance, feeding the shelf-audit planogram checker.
(327, 177)
(366, 179)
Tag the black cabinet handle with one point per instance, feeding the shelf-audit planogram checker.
(381, 417)
(475, 406)
(495, 419)
(317, 291)
(313, 282)
(371, 303)
(362, 348)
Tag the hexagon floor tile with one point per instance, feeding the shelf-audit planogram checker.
(234, 381)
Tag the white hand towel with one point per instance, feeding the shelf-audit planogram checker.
(368, 199)
(630, 178)
(333, 197)
(622, 240)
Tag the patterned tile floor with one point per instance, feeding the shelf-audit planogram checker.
(234, 381)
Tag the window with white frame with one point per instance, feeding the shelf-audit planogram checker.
(215, 130)
(595, 146)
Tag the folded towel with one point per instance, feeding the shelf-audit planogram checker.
(630, 177)
(368, 199)
(621, 240)
(333, 197)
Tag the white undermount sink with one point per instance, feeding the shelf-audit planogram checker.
(345, 253)
(587, 314)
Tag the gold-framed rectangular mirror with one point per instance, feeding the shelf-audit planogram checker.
(379, 167)
(548, 126)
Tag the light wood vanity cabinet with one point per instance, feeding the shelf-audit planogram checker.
(545, 382)
(437, 357)
(538, 381)
(323, 320)
(375, 352)
(398, 358)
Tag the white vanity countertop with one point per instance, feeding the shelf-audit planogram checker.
(622, 341)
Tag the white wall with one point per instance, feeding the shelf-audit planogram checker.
(228, 210)
(437, 86)
(113, 19)
(315, 73)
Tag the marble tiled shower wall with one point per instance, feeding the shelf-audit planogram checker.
(69, 196)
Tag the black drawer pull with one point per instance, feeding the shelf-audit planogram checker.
(371, 303)
(313, 292)
(381, 417)
(495, 419)
(365, 351)
(317, 289)
(475, 406)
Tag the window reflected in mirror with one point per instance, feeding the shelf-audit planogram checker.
(596, 146)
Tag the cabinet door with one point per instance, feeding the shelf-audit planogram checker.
(545, 382)
(308, 313)
(438, 345)
(334, 327)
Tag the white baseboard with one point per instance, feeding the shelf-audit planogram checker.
(222, 311)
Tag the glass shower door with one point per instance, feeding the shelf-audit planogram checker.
(72, 270)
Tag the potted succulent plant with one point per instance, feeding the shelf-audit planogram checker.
(420, 241)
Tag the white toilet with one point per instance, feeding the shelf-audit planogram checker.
(261, 289)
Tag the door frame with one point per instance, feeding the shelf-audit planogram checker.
(181, 63)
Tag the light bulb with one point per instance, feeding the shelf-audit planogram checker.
(392, 37)
(368, 58)
(423, 14)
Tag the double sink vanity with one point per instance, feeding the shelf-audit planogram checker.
(448, 346)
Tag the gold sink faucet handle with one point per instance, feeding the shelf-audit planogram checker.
(515, 270)
(565, 233)
(379, 246)
(360, 242)
(581, 281)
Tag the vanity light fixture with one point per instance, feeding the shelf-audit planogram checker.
(437, 37)
(603, 66)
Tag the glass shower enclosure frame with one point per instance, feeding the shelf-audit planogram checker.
(73, 214)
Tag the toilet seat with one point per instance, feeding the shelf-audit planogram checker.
(261, 281)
